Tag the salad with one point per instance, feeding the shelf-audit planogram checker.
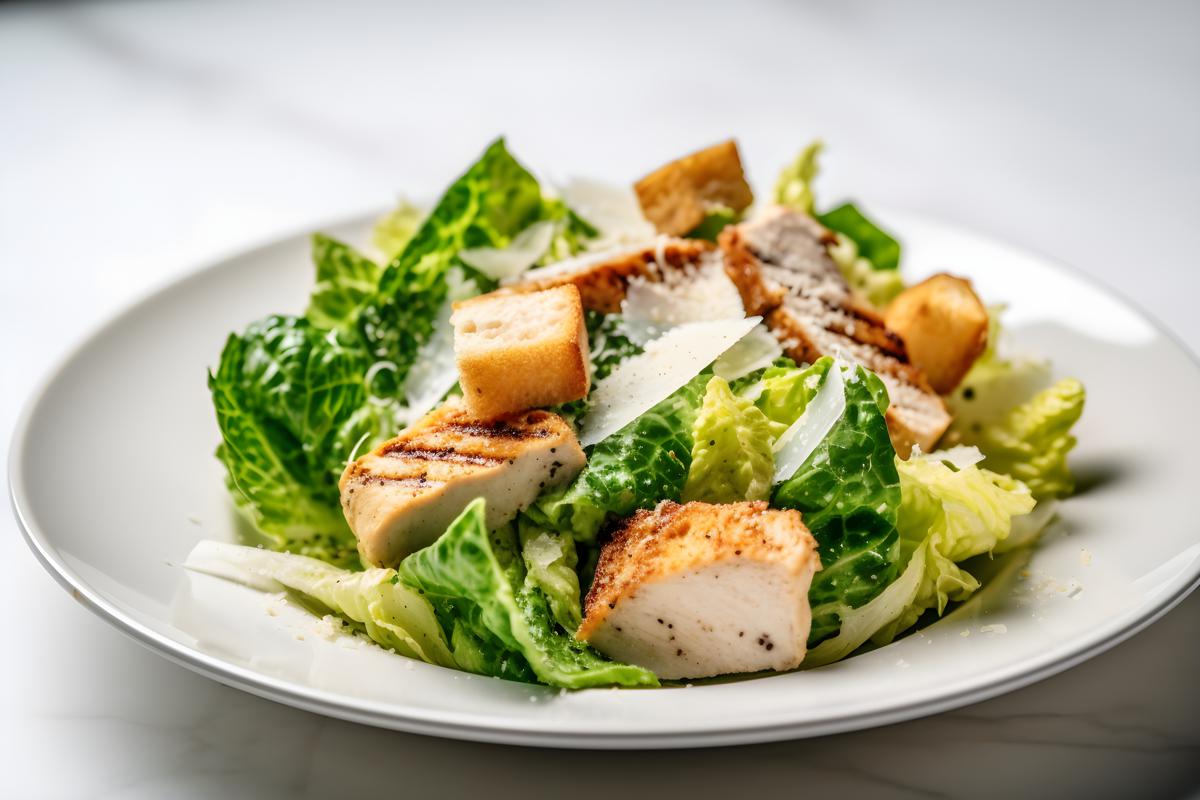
(590, 436)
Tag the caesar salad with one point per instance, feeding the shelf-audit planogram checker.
(592, 435)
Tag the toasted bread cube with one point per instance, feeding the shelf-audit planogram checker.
(519, 351)
(675, 197)
(944, 327)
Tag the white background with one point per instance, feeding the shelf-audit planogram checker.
(138, 140)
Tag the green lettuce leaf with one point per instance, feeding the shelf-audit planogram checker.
(731, 449)
(1031, 442)
(794, 187)
(879, 286)
(715, 220)
(550, 561)
(284, 394)
(946, 515)
(490, 204)
(873, 243)
(573, 233)
(783, 391)
(345, 279)
(952, 514)
(848, 491)
(644, 462)
(994, 386)
(295, 397)
(393, 231)
(501, 623)
(390, 613)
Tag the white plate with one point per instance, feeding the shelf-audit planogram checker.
(113, 481)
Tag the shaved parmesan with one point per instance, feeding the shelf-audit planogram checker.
(613, 210)
(677, 296)
(640, 382)
(756, 350)
(435, 370)
(522, 253)
(960, 456)
(577, 264)
(798, 442)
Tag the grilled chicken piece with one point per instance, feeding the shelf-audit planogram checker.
(602, 278)
(690, 591)
(781, 265)
(402, 496)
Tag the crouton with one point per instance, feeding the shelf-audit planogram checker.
(675, 197)
(944, 327)
(519, 351)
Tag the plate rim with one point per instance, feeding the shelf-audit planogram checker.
(487, 729)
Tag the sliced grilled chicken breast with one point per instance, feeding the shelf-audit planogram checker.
(690, 591)
(602, 278)
(400, 497)
(781, 265)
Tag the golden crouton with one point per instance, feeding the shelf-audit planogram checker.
(519, 351)
(675, 197)
(944, 327)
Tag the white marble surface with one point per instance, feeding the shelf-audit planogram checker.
(139, 139)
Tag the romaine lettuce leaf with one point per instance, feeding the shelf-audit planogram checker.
(879, 286)
(501, 622)
(731, 449)
(848, 491)
(715, 220)
(995, 384)
(952, 514)
(394, 229)
(490, 204)
(345, 279)
(295, 397)
(390, 613)
(1031, 442)
(285, 394)
(794, 187)
(573, 234)
(874, 244)
(550, 560)
(636, 467)
(946, 515)
(783, 392)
